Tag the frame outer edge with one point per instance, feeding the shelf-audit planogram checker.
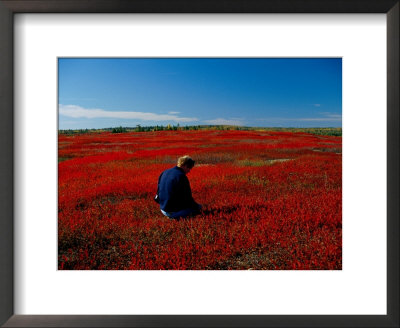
(6, 164)
(393, 167)
(6, 189)
(203, 6)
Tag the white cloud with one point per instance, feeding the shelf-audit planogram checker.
(80, 112)
(317, 105)
(318, 119)
(223, 121)
(323, 117)
(172, 113)
(328, 117)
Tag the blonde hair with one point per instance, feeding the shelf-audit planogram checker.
(185, 161)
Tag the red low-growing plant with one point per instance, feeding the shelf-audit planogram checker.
(272, 200)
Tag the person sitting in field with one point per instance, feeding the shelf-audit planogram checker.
(173, 192)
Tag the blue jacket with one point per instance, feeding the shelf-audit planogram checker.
(174, 191)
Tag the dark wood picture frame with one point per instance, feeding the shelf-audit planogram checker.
(10, 7)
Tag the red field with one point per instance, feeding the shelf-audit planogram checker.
(273, 200)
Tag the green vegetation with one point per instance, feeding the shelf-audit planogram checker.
(119, 130)
(169, 127)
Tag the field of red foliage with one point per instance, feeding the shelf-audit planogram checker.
(272, 200)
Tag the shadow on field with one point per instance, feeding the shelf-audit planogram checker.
(211, 212)
(228, 209)
(223, 209)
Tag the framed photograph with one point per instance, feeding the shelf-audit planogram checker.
(101, 100)
(223, 201)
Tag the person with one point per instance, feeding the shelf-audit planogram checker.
(174, 193)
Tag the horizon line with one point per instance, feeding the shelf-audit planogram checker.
(208, 126)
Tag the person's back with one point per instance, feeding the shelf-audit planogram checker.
(174, 192)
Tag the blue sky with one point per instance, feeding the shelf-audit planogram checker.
(259, 92)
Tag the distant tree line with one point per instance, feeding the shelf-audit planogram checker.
(169, 127)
